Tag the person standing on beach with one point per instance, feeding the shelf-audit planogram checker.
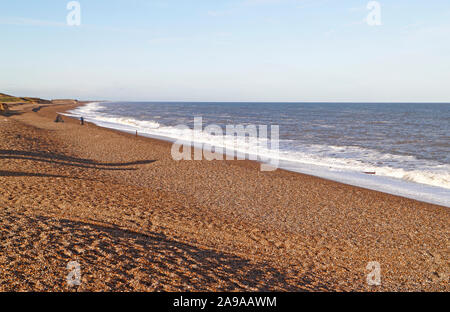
(59, 118)
(82, 121)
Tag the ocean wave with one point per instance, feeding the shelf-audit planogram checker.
(335, 158)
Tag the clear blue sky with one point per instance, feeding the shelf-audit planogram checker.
(227, 50)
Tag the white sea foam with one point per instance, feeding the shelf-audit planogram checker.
(402, 175)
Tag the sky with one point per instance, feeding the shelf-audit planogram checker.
(227, 50)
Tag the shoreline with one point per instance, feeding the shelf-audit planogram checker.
(137, 220)
(412, 190)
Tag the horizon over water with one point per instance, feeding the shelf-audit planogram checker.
(406, 144)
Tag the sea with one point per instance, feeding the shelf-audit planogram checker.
(397, 148)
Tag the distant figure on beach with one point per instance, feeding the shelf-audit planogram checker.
(82, 121)
(59, 118)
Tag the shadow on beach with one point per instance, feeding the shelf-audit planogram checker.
(10, 113)
(128, 260)
(59, 159)
(4, 173)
